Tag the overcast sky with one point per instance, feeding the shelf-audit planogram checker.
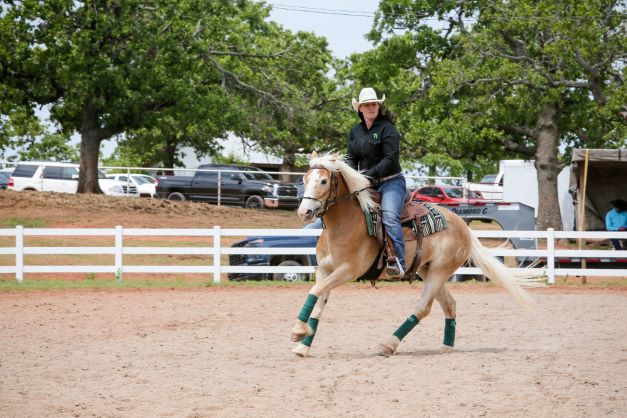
(344, 23)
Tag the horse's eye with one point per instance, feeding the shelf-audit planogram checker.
(323, 182)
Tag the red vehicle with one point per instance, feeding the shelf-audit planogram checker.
(445, 194)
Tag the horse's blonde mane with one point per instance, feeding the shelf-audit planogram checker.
(354, 179)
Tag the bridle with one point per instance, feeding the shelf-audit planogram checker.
(332, 198)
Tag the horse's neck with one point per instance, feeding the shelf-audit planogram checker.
(345, 214)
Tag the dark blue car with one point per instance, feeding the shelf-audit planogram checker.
(273, 259)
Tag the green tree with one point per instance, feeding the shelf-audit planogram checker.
(517, 78)
(272, 97)
(300, 113)
(155, 75)
(31, 139)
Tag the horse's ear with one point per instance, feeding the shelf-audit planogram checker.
(314, 154)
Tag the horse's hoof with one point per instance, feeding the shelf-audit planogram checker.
(300, 331)
(385, 350)
(446, 349)
(388, 347)
(301, 350)
(297, 337)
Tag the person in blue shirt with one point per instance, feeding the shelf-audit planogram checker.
(616, 220)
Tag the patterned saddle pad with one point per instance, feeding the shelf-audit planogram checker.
(421, 215)
(432, 222)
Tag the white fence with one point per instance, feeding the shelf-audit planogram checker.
(216, 250)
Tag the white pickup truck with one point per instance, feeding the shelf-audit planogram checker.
(490, 187)
(52, 176)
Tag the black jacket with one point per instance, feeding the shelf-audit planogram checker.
(375, 150)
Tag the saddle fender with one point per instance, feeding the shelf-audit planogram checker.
(411, 215)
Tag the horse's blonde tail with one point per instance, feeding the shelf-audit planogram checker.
(502, 275)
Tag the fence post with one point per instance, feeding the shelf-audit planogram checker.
(19, 253)
(217, 251)
(550, 255)
(118, 253)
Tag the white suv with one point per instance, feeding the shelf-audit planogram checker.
(50, 176)
(146, 185)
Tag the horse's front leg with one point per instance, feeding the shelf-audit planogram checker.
(322, 287)
(302, 349)
(302, 328)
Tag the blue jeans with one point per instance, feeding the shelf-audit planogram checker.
(393, 193)
(317, 224)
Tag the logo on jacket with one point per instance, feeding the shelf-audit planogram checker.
(375, 135)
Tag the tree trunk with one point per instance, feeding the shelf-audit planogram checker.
(288, 166)
(90, 148)
(169, 153)
(547, 168)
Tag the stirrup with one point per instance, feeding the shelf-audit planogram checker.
(394, 269)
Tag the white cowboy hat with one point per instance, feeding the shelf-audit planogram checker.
(366, 95)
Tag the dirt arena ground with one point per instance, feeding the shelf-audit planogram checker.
(225, 352)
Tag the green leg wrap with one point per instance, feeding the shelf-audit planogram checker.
(449, 332)
(305, 313)
(313, 323)
(407, 326)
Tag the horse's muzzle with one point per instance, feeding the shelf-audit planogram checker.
(307, 215)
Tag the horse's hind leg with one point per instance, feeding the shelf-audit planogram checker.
(390, 344)
(302, 349)
(448, 305)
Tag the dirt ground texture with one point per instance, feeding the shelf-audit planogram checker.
(58, 210)
(225, 351)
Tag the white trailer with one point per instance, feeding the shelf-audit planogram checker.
(517, 181)
(520, 184)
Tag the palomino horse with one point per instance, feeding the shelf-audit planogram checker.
(345, 251)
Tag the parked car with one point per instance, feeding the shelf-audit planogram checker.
(272, 259)
(296, 260)
(300, 186)
(4, 179)
(52, 176)
(145, 184)
(445, 194)
(252, 189)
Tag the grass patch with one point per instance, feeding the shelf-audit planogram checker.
(91, 283)
(262, 283)
(602, 282)
(25, 222)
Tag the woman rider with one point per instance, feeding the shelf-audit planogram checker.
(373, 149)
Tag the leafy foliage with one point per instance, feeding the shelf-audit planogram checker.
(161, 75)
(500, 79)
(31, 139)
